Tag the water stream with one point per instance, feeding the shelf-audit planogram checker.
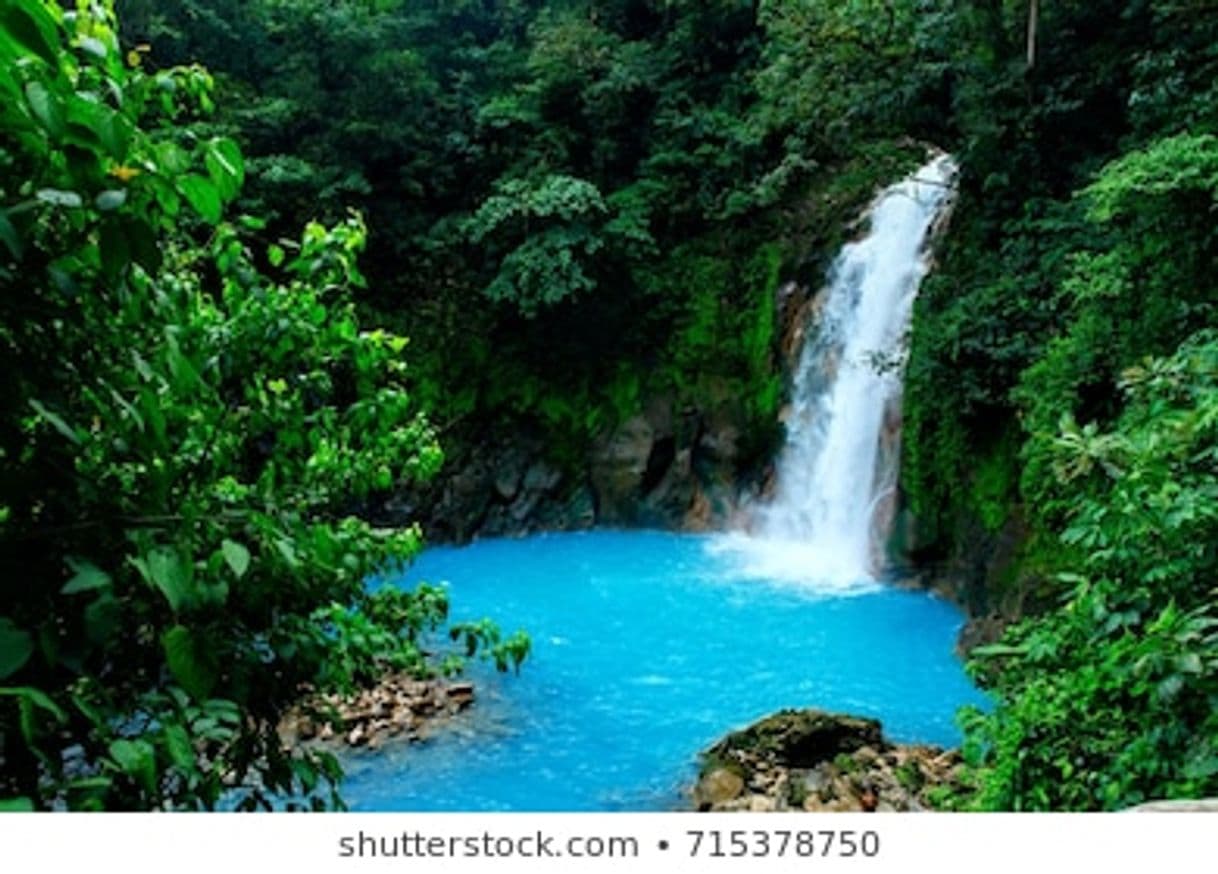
(837, 474)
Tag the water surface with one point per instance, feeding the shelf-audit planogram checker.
(648, 647)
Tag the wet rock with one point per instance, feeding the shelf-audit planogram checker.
(460, 696)
(700, 515)
(720, 441)
(617, 467)
(674, 495)
(523, 507)
(576, 513)
(509, 472)
(541, 477)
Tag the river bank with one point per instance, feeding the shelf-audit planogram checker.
(399, 707)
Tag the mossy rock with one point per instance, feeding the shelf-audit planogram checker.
(799, 738)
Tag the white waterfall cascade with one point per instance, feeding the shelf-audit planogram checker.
(836, 477)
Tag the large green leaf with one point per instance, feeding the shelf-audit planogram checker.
(59, 197)
(111, 199)
(47, 109)
(237, 556)
(224, 163)
(31, 27)
(201, 193)
(136, 758)
(16, 647)
(190, 661)
(168, 572)
(86, 578)
(177, 744)
(98, 127)
(16, 805)
(34, 698)
(55, 421)
(115, 132)
(9, 236)
(114, 250)
(102, 618)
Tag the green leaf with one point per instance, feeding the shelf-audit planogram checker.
(165, 570)
(173, 159)
(1190, 663)
(102, 618)
(36, 698)
(58, 197)
(93, 46)
(114, 250)
(16, 647)
(181, 751)
(237, 556)
(115, 132)
(224, 164)
(997, 649)
(275, 254)
(16, 805)
(142, 243)
(200, 192)
(88, 577)
(9, 236)
(31, 26)
(137, 758)
(47, 109)
(190, 662)
(110, 200)
(288, 551)
(89, 793)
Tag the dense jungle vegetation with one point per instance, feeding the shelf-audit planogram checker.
(569, 207)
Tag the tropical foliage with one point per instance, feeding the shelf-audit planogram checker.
(188, 429)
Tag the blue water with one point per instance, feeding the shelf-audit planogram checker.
(647, 648)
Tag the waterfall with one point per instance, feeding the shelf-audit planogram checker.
(837, 471)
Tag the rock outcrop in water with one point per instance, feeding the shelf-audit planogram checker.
(810, 760)
(398, 707)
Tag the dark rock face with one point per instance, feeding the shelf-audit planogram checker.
(670, 465)
(982, 574)
(664, 467)
(618, 464)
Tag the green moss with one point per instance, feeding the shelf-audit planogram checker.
(994, 487)
(910, 776)
(846, 763)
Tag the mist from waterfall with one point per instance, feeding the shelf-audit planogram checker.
(836, 477)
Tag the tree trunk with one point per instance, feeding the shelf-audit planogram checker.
(1033, 24)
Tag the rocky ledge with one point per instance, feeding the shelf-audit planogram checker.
(815, 761)
(399, 707)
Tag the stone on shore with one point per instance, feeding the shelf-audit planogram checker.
(399, 706)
